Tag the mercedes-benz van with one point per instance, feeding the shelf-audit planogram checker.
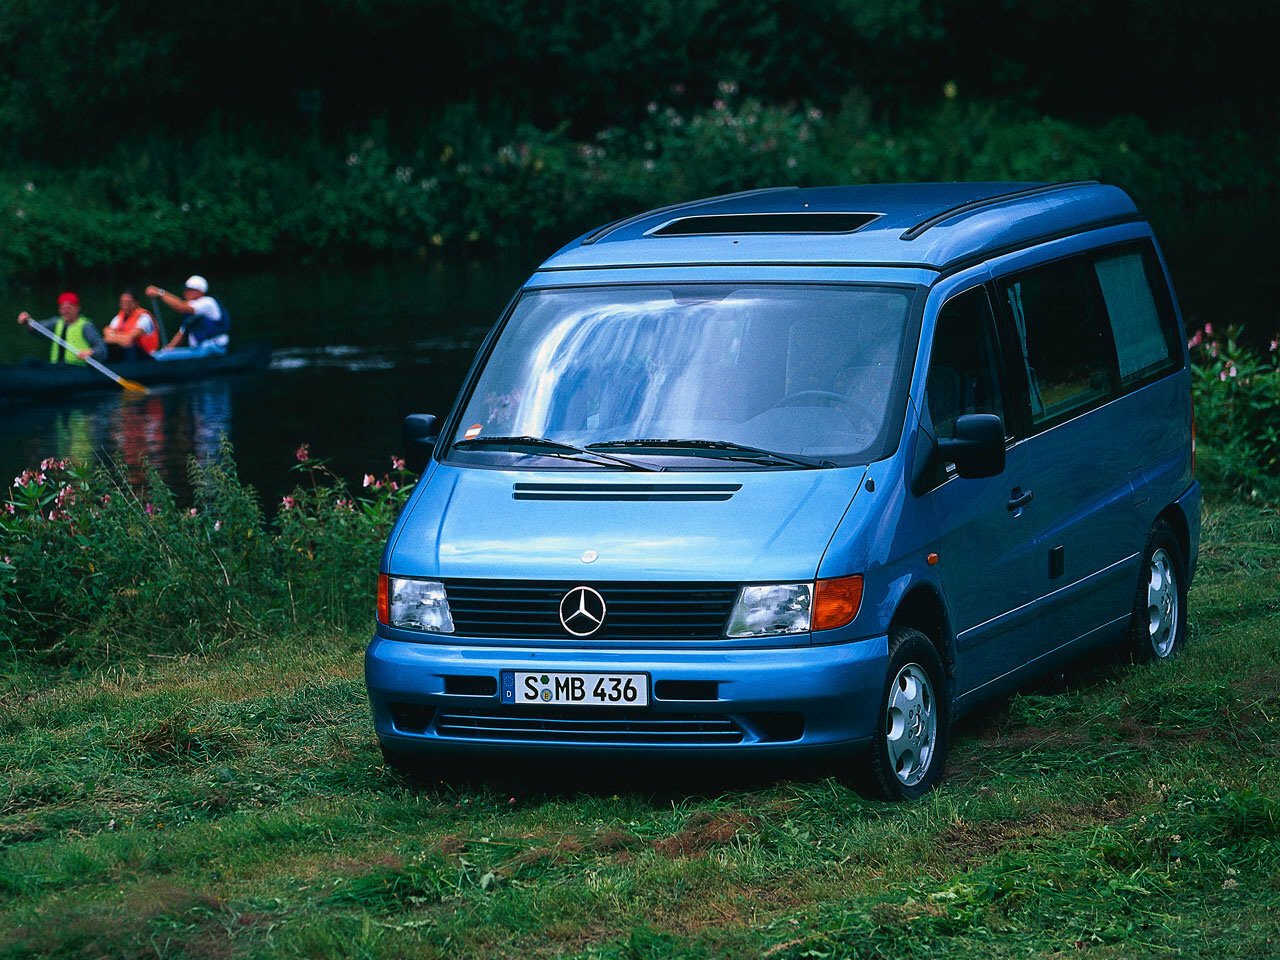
(797, 470)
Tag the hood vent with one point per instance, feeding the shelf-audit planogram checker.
(662, 492)
(737, 223)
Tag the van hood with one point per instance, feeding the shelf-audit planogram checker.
(746, 525)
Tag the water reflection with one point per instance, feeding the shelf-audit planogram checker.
(165, 428)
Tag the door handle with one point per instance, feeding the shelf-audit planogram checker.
(1018, 499)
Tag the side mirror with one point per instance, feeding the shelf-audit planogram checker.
(977, 449)
(421, 430)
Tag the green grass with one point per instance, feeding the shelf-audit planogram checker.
(238, 807)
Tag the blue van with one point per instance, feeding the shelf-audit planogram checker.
(797, 470)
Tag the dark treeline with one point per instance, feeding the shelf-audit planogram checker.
(138, 132)
(76, 75)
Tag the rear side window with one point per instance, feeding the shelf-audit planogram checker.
(1064, 337)
(1146, 335)
(964, 365)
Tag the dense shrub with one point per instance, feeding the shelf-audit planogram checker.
(474, 179)
(92, 569)
(1237, 403)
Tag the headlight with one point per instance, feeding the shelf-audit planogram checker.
(418, 605)
(763, 611)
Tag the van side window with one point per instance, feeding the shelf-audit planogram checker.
(1146, 335)
(964, 367)
(1064, 337)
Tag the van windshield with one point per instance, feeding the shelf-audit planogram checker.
(807, 372)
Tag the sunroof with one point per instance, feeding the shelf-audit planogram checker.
(764, 223)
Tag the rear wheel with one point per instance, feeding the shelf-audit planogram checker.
(913, 730)
(1158, 629)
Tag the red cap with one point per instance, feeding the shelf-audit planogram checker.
(68, 297)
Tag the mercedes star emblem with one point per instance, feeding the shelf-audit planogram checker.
(582, 611)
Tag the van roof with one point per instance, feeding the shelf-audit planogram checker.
(934, 225)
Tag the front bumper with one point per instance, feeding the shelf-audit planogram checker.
(793, 700)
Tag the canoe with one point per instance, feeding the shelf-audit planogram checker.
(20, 380)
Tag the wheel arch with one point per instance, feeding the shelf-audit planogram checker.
(1177, 521)
(921, 607)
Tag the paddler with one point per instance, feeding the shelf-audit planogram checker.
(77, 330)
(131, 334)
(206, 325)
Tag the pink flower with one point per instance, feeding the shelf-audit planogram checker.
(397, 463)
(106, 499)
(1222, 375)
(9, 508)
(368, 480)
(1233, 370)
(1195, 341)
(217, 525)
(287, 503)
(149, 509)
(1208, 328)
(1275, 344)
(394, 485)
(303, 453)
(192, 511)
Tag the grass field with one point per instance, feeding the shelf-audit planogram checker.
(239, 808)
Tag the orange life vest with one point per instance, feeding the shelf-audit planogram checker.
(147, 342)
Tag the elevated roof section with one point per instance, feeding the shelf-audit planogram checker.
(933, 225)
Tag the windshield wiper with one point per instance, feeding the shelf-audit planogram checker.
(541, 446)
(722, 449)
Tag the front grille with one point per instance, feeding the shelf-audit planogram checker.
(588, 726)
(635, 611)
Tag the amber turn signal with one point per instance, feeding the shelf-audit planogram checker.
(384, 598)
(836, 601)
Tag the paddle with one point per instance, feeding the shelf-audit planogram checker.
(127, 384)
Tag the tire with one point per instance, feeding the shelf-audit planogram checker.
(913, 728)
(1158, 629)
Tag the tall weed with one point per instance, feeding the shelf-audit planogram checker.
(95, 570)
(1237, 396)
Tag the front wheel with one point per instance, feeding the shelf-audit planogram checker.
(1158, 629)
(913, 730)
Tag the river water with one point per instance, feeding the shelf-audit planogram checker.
(355, 349)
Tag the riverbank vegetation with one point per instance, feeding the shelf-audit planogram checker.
(233, 803)
(470, 183)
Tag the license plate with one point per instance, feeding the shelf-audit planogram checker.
(576, 689)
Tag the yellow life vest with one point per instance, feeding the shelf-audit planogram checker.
(74, 335)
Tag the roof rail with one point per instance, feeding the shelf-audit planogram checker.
(945, 215)
(609, 228)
